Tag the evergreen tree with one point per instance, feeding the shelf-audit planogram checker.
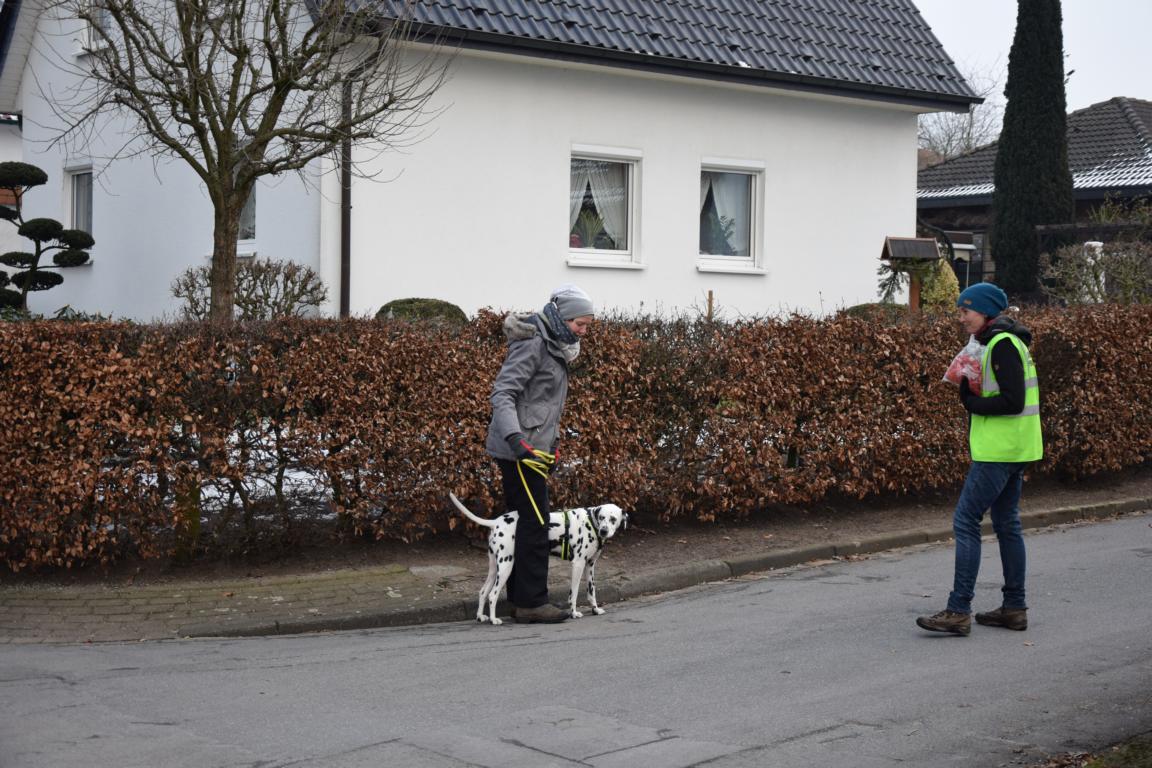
(69, 247)
(1033, 183)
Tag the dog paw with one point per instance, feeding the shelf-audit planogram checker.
(577, 615)
(497, 622)
(482, 619)
(598, 611)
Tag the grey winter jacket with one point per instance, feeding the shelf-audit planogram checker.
(529, 391)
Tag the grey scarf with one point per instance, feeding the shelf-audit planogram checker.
(557, 335)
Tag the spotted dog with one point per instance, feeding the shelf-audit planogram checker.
(577, 534)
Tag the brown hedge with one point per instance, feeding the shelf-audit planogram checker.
(127, 438)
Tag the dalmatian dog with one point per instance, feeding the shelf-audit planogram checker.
(577, 534)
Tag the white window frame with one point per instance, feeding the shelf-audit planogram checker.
(249, 242)
(71, 174)
(91, 41)
(753, 263)
(628, 258)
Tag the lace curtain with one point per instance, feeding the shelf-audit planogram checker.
(732, 195)
(608, 183)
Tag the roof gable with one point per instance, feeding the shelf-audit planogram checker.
(1109, 148)
(17, 22)
(872, 48)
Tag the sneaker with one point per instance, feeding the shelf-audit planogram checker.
(946, 621)
(541, 614)
(1009, 618)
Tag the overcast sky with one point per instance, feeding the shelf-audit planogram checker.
(1107, 42)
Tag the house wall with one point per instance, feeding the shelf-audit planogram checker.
(10, 149)
(476, 213)
(152, 218)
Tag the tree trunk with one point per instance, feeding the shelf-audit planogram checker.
(186, 518)
(222, 278)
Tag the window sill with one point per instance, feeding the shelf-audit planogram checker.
(83, 51)
(729, 267)
(243, 253)
(601, 262)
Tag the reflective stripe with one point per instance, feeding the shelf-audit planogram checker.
(993, 387)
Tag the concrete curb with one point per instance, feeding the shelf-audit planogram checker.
(662, 580)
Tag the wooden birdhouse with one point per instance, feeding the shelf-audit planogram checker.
(910, 255)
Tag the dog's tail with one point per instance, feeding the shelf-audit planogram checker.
(468, 513)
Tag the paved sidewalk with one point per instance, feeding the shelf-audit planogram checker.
(357, 598)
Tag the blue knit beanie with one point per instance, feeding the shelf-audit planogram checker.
(985, 298)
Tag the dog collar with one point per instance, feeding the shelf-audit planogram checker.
(595, 530)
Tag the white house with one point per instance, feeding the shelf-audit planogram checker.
(11, 148)
(652, 151)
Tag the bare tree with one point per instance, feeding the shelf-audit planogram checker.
(243, 89)
(950, 134)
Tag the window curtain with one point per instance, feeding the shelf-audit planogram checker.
(610, 193)
(609, 184)
(82, 201)
(731, 193)
(576, 191)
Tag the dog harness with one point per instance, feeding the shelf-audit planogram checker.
(566, 540)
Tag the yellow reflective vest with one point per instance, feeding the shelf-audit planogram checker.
(1008, 438)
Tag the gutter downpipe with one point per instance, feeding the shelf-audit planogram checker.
(346, 206)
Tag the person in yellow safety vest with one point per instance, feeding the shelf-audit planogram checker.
(1003, 436)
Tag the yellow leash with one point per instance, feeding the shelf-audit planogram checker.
(540, 466)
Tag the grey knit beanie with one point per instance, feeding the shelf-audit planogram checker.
(572, 302)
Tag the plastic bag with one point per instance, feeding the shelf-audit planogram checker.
(966, 363)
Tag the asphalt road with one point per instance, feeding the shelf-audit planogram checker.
(814, 666)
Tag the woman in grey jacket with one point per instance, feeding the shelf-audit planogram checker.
(527, 400)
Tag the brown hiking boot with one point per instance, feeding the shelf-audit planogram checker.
(946, 621)
(541, 614)
(1009, 618)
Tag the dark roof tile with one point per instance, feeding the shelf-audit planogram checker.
(881, 47)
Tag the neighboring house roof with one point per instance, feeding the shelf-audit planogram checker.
(1109, 153)
(871, 48)
(927, 157)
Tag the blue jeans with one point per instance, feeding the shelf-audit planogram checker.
(996, 487)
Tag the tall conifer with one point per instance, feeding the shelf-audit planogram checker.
(1033, 183)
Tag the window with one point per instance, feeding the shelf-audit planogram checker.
(81, 204)
(729, 218)
(99, 20)
(248, 218)
(602, 207)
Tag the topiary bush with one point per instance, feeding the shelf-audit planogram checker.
(69, 247)
(422, 309)
(882, 311)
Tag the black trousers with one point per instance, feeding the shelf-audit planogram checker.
(528, 583)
